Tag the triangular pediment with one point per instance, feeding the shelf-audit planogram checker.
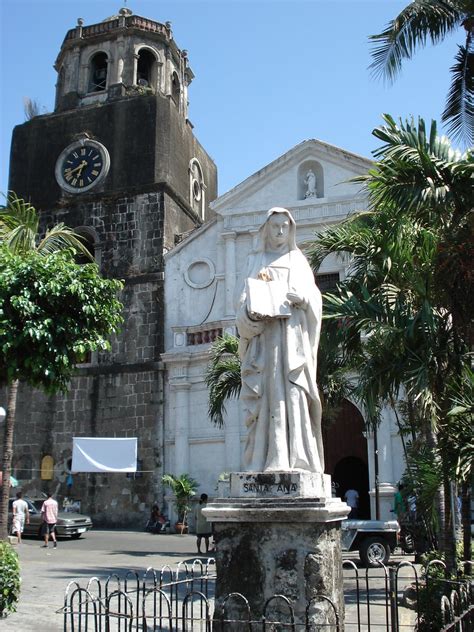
(284, 181)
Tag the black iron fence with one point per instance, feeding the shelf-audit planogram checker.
(395, 599)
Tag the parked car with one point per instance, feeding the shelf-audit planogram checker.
(374, 539)
(68, 524)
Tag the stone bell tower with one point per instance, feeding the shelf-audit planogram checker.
(118, 161)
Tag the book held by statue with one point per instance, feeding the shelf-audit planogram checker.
(267, 299)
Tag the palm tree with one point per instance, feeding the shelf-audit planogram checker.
(432, 20)
(223, 376)
(400, 324)
(19, 232)
(184, 488)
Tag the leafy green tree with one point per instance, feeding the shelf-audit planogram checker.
(404, 326)
(52, 311)
(432, 20)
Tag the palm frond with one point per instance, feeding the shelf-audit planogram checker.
(222, 377)
(418, 172)
(459, 110)
(420, 21)
(60, 237)
(18, 224)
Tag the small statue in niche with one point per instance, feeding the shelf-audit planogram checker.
(310, 181)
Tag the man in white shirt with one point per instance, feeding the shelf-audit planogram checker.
(352, 499)
(20, 515)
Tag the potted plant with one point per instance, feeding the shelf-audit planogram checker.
(184, 488)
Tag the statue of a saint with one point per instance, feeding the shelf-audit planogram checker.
(310, 181)
(279, 321)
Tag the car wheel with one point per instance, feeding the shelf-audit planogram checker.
(373, 552)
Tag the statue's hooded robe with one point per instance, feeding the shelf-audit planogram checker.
(279, 358)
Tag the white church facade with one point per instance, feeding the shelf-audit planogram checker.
(203, 278)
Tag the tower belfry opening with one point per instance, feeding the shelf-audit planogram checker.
(116, 57)
(117, 161)
(98, 73)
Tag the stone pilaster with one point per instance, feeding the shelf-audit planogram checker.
(229, 279)
(181, 459)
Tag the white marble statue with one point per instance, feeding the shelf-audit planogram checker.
(310, 181)
(279, 321)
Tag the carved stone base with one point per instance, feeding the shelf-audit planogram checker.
(280, 540)
(279, 485)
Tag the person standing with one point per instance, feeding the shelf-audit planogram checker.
(399, 506)
(49, 515)
(20, 515)
(203, 527)
(352, 499)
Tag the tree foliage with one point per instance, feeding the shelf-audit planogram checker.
(406, 328)
(19, 231)
(10, 581)
(52, 312)
(423, 21)
(222, 376)
(184, 488)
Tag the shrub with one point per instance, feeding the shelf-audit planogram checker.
(9, 578)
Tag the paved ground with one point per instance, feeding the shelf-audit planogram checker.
(46, 572)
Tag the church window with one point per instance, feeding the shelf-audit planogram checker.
(327, 282)
(146, 69)
(175, 88)
(98, 73)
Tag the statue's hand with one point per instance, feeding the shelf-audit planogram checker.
(297, 300)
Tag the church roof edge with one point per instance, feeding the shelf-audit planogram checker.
(300, 148)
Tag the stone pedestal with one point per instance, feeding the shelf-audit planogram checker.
(278, 533)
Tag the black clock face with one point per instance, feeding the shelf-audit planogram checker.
(82, 165)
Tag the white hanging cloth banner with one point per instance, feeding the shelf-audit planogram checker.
(104, 455)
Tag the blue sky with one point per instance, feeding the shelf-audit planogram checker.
(269, 73)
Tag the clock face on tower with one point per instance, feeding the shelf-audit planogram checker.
(82, 166)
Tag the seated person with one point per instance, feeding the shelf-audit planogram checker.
(157, 522)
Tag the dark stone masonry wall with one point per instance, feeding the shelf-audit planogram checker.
(140, 210)
(108, 405)
(116, 394)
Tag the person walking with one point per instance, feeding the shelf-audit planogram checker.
(21, 515)
(49, 515)
(203, 527)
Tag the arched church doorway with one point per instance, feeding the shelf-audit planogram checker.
(353, 473)
(345, 452)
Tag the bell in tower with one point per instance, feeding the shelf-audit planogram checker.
(118, 161)
(124, 55)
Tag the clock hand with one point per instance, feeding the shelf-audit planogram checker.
(78, 168)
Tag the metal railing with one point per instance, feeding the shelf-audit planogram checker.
(183, 600)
